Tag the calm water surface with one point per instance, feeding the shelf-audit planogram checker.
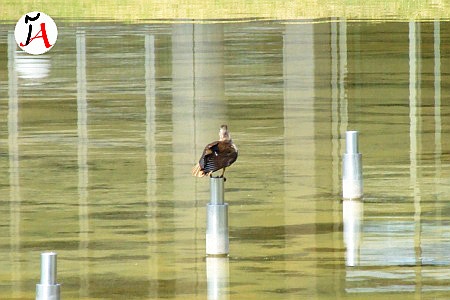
(98, 136)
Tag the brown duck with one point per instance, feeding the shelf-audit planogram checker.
(217, 155)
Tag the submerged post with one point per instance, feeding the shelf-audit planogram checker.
(352, 180)
(217, 219)
(48, 289)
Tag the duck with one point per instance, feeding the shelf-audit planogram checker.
(217, 155)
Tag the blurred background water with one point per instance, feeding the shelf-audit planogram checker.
(98, 137)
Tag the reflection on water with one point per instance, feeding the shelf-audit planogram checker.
(352, 212)
(32, 68)
(98, 138)
(217, 274)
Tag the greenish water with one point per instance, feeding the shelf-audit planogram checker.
(98, 137)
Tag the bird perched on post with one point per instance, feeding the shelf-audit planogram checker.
(217, 155)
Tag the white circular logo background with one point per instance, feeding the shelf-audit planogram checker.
(36, 33)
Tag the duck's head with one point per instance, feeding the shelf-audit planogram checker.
(224, 134)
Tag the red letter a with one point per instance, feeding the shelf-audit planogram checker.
(44, 36)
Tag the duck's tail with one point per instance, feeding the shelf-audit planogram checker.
(197, 171)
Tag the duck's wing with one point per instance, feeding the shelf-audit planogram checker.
(228, 153)
(208, 162)
(218, 155)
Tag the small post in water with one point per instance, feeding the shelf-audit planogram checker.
(48, 289)
(352, 180)
(217, 220)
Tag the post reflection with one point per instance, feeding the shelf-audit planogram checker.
(154, 268)
(208, 83)
(352, 215)
(83, 168)
(415, 114)
(437, 97)
(339, 105)
(33, 69)
(14, 167)
(298, 115)
(299, 83)
(184, 120)
(217, 276)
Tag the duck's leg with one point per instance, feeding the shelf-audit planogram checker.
(223, 172)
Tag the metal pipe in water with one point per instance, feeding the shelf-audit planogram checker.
(217, 241)
(48, 289)
(216, 185)
(352, 179)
